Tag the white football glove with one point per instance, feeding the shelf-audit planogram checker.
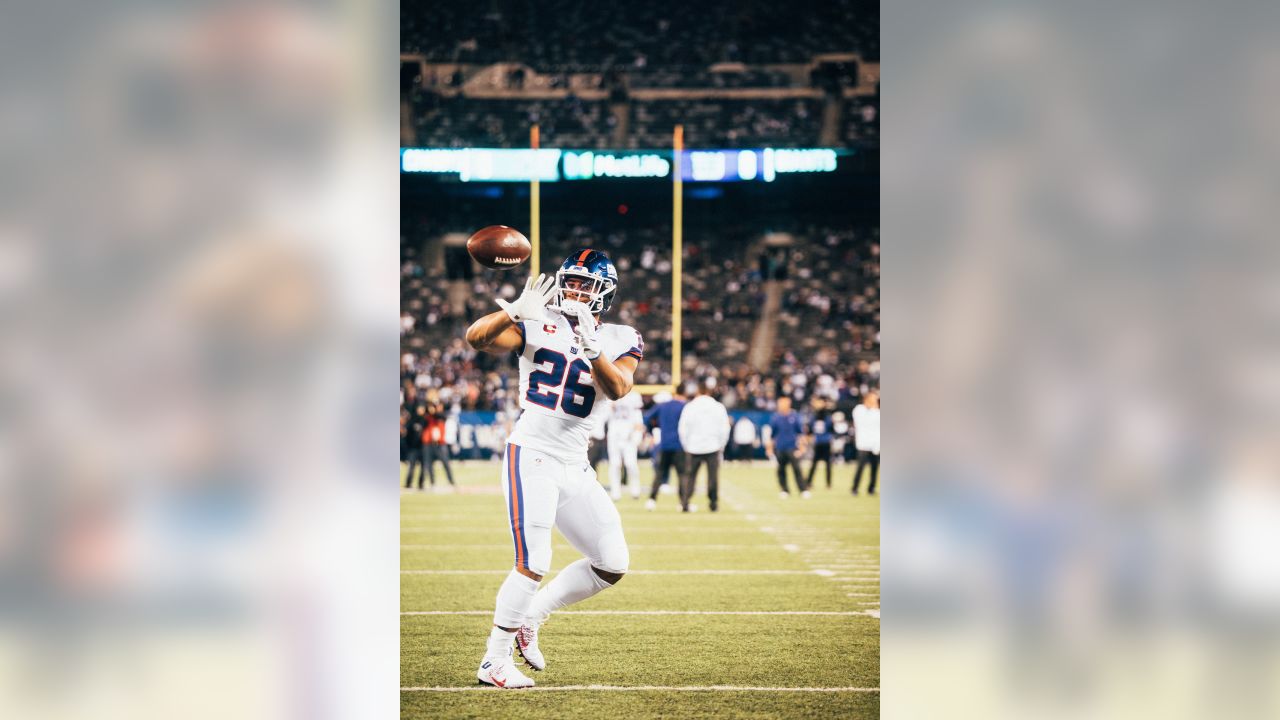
(586, 331)
(537, 293)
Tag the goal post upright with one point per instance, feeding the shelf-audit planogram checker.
(677, 251)
(535, 207)
(677, 265)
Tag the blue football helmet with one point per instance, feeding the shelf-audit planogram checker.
(591, 273)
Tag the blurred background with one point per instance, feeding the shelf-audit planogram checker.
(1081, 276)
(197, 244)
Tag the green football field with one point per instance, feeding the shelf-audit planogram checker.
(768, 608)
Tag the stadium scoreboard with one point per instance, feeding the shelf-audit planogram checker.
(552, 165)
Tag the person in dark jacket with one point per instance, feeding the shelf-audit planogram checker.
(820, 434)
(414, 428)
(670, 452)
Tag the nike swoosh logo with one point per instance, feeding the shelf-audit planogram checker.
(498, 681)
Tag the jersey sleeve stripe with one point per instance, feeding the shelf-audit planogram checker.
(634, 352)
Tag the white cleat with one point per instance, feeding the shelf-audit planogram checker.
(501, 672)
(650, 504)
(805, 495)
(784, 494)
(616, 496)
(692, 508)
(527, 646)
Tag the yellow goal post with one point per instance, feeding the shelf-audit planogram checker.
(677, 251)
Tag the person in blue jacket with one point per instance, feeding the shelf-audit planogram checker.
(786, 445)
(670, 451)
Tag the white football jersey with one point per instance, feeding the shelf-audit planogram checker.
(627, 413)
(558, 396)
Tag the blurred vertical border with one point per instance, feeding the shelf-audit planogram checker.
(199, 291)
(1082, 516)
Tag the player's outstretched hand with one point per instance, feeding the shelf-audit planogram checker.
(537, 293)
(585, 329)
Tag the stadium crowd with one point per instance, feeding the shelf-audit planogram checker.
(634, 72)
(728, 123)
(446, 122)
(457, 121)
(639, 35)
(826, 344)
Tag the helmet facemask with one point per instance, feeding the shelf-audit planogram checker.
(584, 286)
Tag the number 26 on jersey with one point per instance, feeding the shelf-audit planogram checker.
(563, 382)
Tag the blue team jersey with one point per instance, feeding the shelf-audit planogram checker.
(786, 428)
(821, 430)
(668, 414)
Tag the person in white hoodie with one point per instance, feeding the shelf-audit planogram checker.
(866, 429)
(704, 431)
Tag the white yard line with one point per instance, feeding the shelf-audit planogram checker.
(647, 688)
(841, 613)
(633, 546)
(632, 572)
(628, 529)
(846, 564)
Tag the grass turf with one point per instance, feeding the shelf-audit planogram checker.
(832, 541)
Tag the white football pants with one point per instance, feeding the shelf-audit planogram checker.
(622, 451)
(542, 492)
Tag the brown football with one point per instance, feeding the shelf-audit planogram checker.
(499, 247)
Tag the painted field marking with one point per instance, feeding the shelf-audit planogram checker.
(852, 566)
(839, 613)
(646, 688)
(499, 528)
(632, 572)
(633, 546)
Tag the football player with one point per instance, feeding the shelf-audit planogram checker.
(569, 361)
(625, 428)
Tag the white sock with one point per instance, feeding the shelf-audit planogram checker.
(514, 598)
(500, 642)
(575, 583)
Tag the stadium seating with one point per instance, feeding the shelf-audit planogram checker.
(464, 122)
(828, 323)
(648, 34)
(740, 73)
(726, 123)
(862, 121)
